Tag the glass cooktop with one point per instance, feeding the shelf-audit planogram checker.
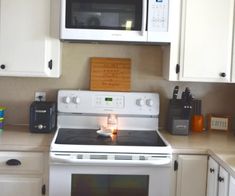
(122, 138)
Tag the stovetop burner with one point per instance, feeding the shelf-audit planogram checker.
(123, 138)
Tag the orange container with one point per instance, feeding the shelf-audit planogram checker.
(197, 123)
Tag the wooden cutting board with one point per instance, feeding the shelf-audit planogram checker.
(110, 74)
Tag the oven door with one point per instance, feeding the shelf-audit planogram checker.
(110, 177)
(107, 20)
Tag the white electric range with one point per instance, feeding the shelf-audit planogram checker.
(108, 144)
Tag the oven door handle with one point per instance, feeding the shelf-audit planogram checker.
(61, 159)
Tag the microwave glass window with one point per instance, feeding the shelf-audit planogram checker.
(104, 14)
(106, 185)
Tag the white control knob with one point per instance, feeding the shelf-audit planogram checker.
(67, 100)
(140, 102)
(40, 126)
(76, 100)
(149, 102)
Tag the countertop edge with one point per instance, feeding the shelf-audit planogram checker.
(41, 143)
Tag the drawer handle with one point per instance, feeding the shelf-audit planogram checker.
(3, 66)
(13, 162)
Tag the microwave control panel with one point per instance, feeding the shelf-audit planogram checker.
(158, 15)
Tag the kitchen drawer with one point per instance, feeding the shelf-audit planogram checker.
(28, 162)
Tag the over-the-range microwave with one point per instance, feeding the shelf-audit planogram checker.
(118, 20)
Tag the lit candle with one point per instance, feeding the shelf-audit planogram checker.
(112, 123)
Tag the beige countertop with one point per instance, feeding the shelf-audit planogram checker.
(220, 145)
(19, 138)
(201, 142)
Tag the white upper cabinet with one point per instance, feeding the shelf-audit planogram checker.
(206, 39)
(206, 44)
(233, 67)
(27, 46)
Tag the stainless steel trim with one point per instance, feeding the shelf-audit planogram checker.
(137, 160)
(144, 17)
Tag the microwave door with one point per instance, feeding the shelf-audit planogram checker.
(110, 20)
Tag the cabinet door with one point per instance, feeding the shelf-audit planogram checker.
(212, 179)
(25, 45)
(232, 186)
(24, 186)
(206, 40)
(223, 179)
(191, 175)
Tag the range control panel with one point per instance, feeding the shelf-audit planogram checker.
(100, 102)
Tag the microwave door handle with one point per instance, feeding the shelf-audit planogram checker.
(144, 17)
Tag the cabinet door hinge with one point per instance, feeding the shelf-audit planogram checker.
(177, 69)
(176, 165)
(50, 64)
(44, 189)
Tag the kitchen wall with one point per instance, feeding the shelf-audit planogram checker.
(17, 93)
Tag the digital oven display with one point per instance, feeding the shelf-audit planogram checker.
(108, 99)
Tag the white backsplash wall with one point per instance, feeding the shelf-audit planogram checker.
(17, 93)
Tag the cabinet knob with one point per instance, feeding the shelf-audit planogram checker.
(223, 74)
(2, 66)
(220, 179)
(13, 162)
(212, 170)
(140, 102)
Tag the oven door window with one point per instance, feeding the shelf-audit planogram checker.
(104, 14)
(106, 185)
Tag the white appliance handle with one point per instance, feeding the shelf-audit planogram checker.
(60, 159)
(144, 17)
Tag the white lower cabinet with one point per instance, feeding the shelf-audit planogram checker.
(191, 175)
(22, 173)
(223, 180)
(19, 185)
(212, 179)
(232, 186)
(218, 180)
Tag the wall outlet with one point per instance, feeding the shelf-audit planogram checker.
(40, 96)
